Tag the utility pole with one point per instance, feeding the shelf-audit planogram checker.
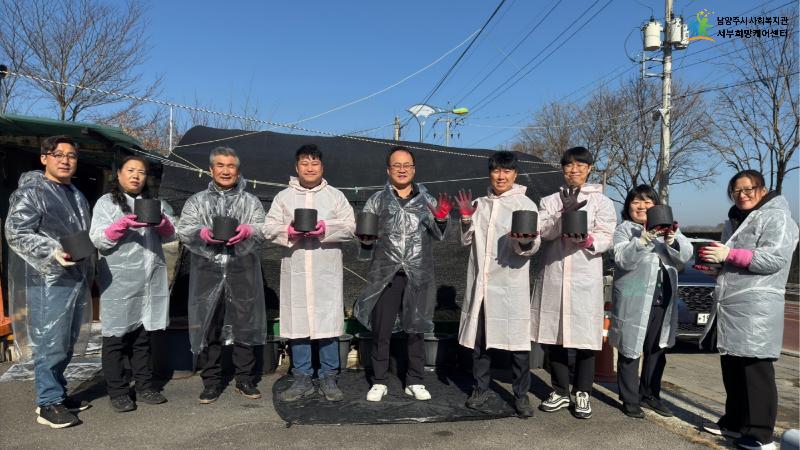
(396, 128)
(676, 35)
(666, 98)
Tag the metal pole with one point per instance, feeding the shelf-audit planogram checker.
(447, 131)
(666, 97)
(396, 128)
(170, 129)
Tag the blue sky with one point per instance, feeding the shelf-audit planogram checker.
(297, 59)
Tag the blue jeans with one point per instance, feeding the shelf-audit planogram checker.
(328, 356)
(54, 322)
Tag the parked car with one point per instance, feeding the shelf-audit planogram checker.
(695, 298)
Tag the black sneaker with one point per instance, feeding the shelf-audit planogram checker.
(56, 416)
(75, 405)
(554, 402)
(210, 395)
(247, 390)
(301, 387)
(583, 409)
(632, 410)
(122, 403)
(749, 443)
(150, 396)
(329, 388)
(658, 406)
(523, 407)
(479, 400)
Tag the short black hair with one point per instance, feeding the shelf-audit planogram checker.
(577, 154)
(503, 159)
(753, 175)
(308, 150)
(643, 192)
(399, 148)
(49, 145)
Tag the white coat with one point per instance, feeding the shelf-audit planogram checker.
(131, 273)
(498, 274)
(311, 269)
(567, 301)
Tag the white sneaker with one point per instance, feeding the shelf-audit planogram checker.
(377, 392)
(418, 391)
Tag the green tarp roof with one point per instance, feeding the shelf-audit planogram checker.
(26, 131)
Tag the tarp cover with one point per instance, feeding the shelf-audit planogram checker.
(449, 390)
(358, 168)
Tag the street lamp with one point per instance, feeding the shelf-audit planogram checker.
(424, 111)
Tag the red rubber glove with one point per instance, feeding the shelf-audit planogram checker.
(117, 230)
(244, 231)
(443, 207)
(740, 257)
(465, 205)
(208, 237)
(294, 234)
(319, 230)
(165, 229)
(586, 243)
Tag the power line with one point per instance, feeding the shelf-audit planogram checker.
(461, 56)
(507, 55)
(483, 102)
(397, 83)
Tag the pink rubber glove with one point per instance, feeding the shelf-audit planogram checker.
(586, 243)
(740, 257)
(243, 232)
(294, 234)
(465, 206)
(117, 230)
(208, 237)
(443, 207)
(319, 230)
(165, 229)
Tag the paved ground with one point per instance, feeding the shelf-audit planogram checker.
(692, 385)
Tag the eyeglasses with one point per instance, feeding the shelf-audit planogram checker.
(405, 166)
(60, 156)
(746, 191)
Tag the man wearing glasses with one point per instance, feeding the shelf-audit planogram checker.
(401, 272)
(50, 288)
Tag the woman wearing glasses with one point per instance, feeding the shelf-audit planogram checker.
(746, 323)
(132, 277)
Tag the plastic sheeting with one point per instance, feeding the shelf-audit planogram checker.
(406, 234)
(75, 371)
(449, 391)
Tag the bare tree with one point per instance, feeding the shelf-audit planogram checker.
(70, 47)
(757, 122)
(619, 128)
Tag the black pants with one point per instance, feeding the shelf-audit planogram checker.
(559, 369)
(482, 362)
(135, 347)
(384, 315)
(632, 387)
(244, 358)
(751, 406)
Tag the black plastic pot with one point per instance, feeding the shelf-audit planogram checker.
(698, 260)
(366, 224)
(270, 355)
(439, 349)
(659, 216)
(574, 222)
(224, 227)
(305, 219)
(364, 349)
(524, 222)
(344, 349)
(147, 210)
(78, 245)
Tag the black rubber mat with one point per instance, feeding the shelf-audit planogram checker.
(449, 391)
